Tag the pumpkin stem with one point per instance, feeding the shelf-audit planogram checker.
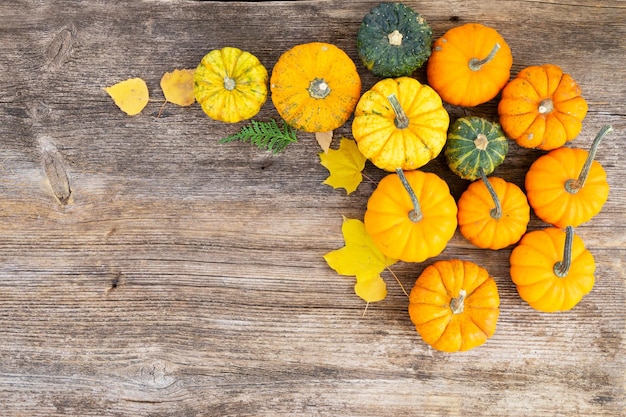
(496, 212)
(573, 186)
(401, 121)
(229, 83)
(457, 305)
(476, 64)
(561, 269)
(395, 38)
(481, 142)
(545, 106)
(318, 88)
(415, 215)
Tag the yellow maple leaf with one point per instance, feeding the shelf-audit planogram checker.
(370, 288)
(362, 259)
(131, 95)
(177, 87)
(345, 165)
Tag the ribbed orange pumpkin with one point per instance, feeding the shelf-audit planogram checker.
(454, 305)
(493, 213)
(566, 187)
(469, 65)
(542, 108)
(411, 215)
(552, 269)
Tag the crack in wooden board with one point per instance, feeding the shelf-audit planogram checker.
(54, 168)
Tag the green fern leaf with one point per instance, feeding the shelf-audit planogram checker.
(265, 135)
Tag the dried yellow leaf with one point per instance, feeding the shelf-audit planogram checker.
(370, 288)
(362, 259)
(131, 95)
(344, 165)
(324, 139)
(177, 87)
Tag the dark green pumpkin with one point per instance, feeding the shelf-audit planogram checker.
(474, 143)
(393, 40)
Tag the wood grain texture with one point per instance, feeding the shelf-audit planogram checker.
(147, 271)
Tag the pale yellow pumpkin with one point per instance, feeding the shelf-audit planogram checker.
(400, 123)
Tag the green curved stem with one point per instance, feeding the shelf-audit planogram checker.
(402, 121)
(476, 64)
(561, 269)
(416, 214)
(496, 212)
(572, 186)
(457, 305)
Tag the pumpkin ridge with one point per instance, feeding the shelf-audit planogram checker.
(445, 312)
(448, 273)
(379, 146)
(533, 257)
(451, 40)
(567, 88)
(233, 71)
(480, 326)
(537, 77)
(556, 290)
(536, 273)
(389, 226)
(429, 290)
(445, 320)
(448, 79)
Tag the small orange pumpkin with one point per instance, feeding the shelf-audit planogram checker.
(552, 269)
(454, 305)
(411, 215)
(566, 187)
(493, 213)
(542, 108)
(469, 65)
(315, 87)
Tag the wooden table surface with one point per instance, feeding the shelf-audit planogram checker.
(146, 270)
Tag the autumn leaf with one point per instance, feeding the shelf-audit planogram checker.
(324, 139)
(131, 95)
(370, 288)
(177, 87)
(362, 259)
(345, 165)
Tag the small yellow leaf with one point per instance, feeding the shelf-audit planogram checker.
(177, 87)
(370, 288)
(362, 259)
(324, 139)
(131, 95)
(345, 165)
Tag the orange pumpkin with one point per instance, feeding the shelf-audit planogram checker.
(493, 213)
(315, 87)
(411, 215)
(469, 65)
(542, 108)
(566, 187)
(454, 305)
(552, 269)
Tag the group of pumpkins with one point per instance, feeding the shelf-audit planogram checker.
(401, 124)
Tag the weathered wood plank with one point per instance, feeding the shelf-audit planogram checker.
(145, 270)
